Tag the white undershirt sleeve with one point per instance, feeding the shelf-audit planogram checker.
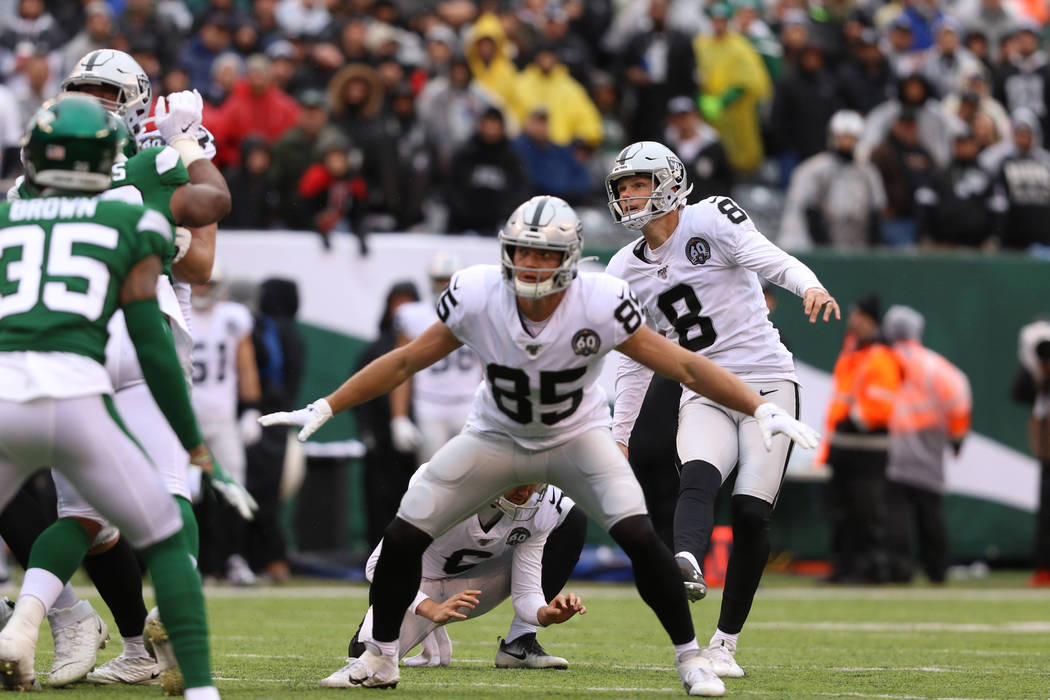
(755, 252)
(526, 587)
(632, 381)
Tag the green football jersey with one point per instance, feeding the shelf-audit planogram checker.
(149, 178)
(63, 260)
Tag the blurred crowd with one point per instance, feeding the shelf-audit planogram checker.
(910, 122)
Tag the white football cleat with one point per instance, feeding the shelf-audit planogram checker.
(238, 573)
(17, 649)
(692, 577)
(697, 679)
(126, 670)
(7, 609)
(79, 633)
(158, 643)
(339, 679)
(373, 670)
(526, 652)
(721, 661)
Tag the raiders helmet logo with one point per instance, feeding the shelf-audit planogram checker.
(518, 535)
(586, 342)
(677, 169)
(698, 251)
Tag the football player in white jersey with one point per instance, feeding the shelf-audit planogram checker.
(480, 562)
(440, 396)
(541, 330)
(225, 374)
(696, 271)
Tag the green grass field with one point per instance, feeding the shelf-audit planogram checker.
(986, 639)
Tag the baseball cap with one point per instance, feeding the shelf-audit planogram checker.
(313, 97)
(682, 104)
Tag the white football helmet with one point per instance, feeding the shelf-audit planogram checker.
(525, 511)
(846, 122)
(116, 69)
(442, 266)
(548, 223)
(667, 173)
(214, 290)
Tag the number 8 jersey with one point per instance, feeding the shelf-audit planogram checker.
(539, 390)
(700, 288)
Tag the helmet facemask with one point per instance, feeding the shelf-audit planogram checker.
(524, 511)
(542, 223)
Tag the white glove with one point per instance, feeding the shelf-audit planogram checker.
(434, 650)
(248, 426)
(179, 115)
(233, 493)
(404, 434)
(310, 418)
(772, 419)
(183, 238)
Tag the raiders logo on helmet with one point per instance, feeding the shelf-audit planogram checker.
(698, 250)
(586, 342)
(518, 535)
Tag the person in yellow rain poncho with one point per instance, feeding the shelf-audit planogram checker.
(489, 55)
(733, 80)
(546, 84)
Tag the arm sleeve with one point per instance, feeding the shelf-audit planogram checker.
(755, 252)
(632, 381)
(526, 588)
(160, 367)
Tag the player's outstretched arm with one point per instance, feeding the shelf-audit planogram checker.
(561, 608)
(155, 349)
(718, 384)
(206, 197)
(374, 379)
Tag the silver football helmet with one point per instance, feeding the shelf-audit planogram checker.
(547, 223)
(524, 511)
(118, 70)
(442, 266)
(669, 187)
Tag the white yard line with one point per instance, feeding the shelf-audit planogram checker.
(1034, 627)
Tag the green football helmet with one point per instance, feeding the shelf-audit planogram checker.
(126, 143)
(71, 144)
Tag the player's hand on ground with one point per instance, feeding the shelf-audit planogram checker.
(179, 115)
(560, 609)
(404, 434)
(450, 609)
(817, 299)
(310, 418)
(772, 419)
(623, 448)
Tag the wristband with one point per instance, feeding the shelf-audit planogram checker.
(188, 148)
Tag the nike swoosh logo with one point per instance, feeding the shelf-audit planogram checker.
(154, 675)
(519, 657)
(186, 128)
(766, 393)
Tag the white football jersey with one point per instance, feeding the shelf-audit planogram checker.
(452, 380)
(217, 332)
(540, 391)
(701, 288)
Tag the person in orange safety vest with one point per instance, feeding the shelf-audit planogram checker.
(932, 412)
(865, 384)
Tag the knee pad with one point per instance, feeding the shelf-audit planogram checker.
(751, 514)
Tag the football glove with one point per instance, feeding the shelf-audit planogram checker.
(179, 115)
(248, 426)
(227, 488)
(310, 418)
(183, 238)
(404, 434)
(772, 419)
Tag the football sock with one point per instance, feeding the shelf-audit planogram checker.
(385, 648)
(682, 649)
(396, 579)
(656, 575)
(519, 627)
(751, 517)
(694, 515)
(66, 599)
(60, 549)
(724, 639)
(118, 578)
(181, 604)
(190, 531)
(207, 692)
(21, 522)
(42, 585)
(135, 647)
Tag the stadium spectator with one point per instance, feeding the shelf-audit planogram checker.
(98, 33)
(226, 71)
(933, 124)
(958, 206)
(803, 101)
(899, 47)
(487, 179)
(252, 187)
(698, 145)
(303, 17)
(32, 31)
(947, 62)
(931, 412)
(733, 81)
(441, 45)
(749, 22)
(488, 52)
(1024, 79)
(284, 62)
(546, 82)
(256, 106)
(1023, 178)
(335, 196)
(264, 19)
(991, 19)
(856, 445)
(866, 79)
(1032, 387)
(386, 471)
(413, 156)
(922, 16)
(140, 18)
(573, 51)
(37, 84)
(976, 42)
(212, 39)
(794, 35)
(905, 166)
(974, 106)
(549, 168)
(834, 200)
(11, 130)
(658, 63)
